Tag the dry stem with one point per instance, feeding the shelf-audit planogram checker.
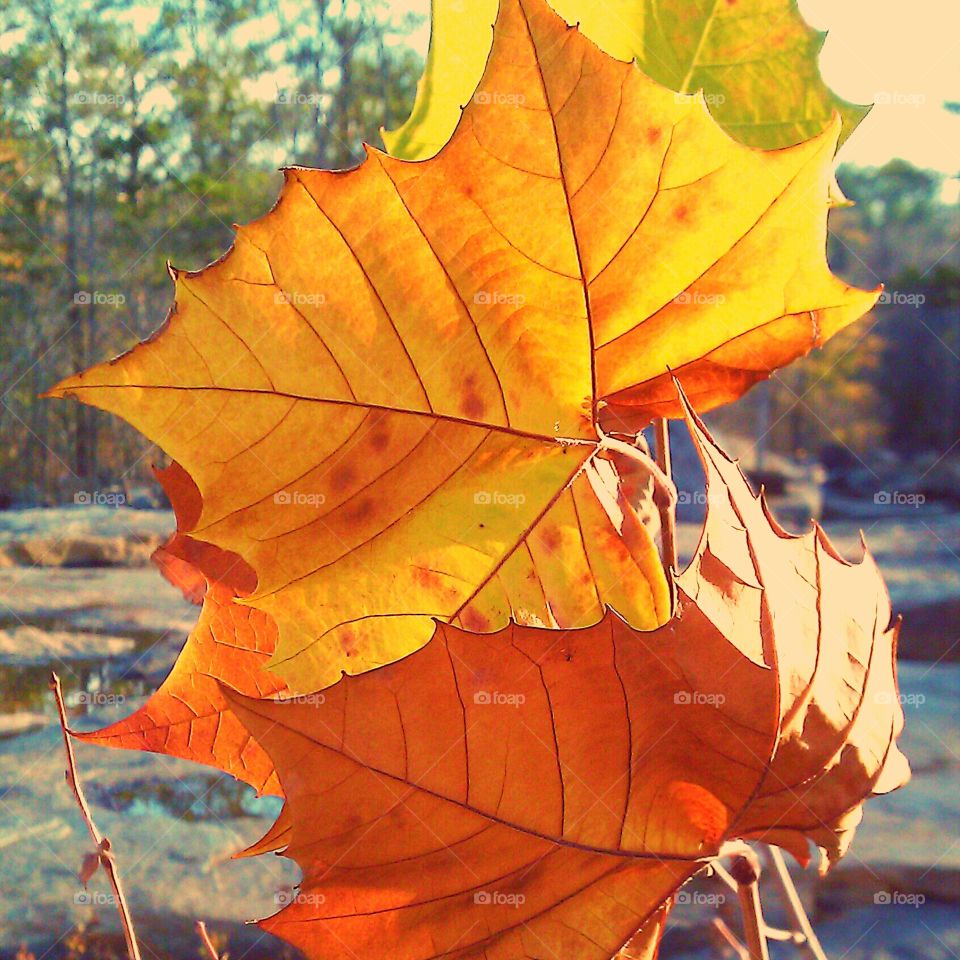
(207, 942)
(667, 507)
(731, 939)
(102, 844)
(746, 871)
(794, 904)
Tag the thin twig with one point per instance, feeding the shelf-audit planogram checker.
(667, 508)
(731, 939)
(771, 933)
(207, 942)
(102, 844)
(746, 871)
(794, 904)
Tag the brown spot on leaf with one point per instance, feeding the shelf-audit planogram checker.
(550, 539)
(474, 621)
(362, 509)
(343, 476)
(473, 406)
(380, 438)
(426, 578)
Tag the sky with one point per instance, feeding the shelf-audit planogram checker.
(905, 53)
(902, 55)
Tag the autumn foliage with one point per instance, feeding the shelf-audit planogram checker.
(402, 410)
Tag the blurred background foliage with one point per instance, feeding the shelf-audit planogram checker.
(130, 135)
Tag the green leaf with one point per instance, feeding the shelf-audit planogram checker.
(755, 60)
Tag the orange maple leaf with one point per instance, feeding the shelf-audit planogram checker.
(538, 792)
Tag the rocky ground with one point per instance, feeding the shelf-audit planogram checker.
(175, 825)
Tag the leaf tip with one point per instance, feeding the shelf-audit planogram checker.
(62, 389)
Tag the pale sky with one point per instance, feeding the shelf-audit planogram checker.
(904, 51)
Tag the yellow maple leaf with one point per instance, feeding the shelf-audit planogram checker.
(396, 392)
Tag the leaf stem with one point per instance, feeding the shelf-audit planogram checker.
(731, 939)
(102, 844)
(667, 507)
(661, 480)
(745, 870)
